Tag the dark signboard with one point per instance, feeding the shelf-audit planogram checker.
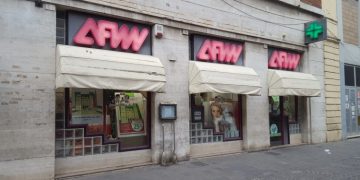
(108, 33)
(197, 114)
(315, 31)
(215, 50)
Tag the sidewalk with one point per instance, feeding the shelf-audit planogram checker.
(340, 160)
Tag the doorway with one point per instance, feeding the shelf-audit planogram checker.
(280, 110)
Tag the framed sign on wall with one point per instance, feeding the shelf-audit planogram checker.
(167, 112)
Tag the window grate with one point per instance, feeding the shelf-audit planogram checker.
(60, 27)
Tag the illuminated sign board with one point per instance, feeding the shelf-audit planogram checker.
(106, 33)
(283, 59)
(216, 50)
(315, 31)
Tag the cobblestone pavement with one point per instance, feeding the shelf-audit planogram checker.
(340, 160)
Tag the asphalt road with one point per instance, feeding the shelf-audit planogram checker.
(339, 160)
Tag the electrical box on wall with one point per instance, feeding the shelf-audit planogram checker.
(158, 30)
(167, 112)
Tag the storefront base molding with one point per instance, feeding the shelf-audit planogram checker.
(295, 139)
(333, 135)
(34, 168)
(74, 166)
(214, 149)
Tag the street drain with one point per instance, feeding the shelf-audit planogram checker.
(198, 163)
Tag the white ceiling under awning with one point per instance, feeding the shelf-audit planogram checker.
(287, 83)
(222, 78)
(79, 67)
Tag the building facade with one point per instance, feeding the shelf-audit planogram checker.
(332, 73)
(348, 27)
(89, 86)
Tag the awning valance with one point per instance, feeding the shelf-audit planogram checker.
(221, 78)
(80, 67)
(285, 83)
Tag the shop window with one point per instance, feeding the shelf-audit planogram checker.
(215, 118)
(290, 109)
(358, 76)
(349, 75)
(96, 121)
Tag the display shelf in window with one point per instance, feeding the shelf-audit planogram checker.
(88, 151)
(59, 153)
(59, 144)
(79, 143)
(114, 148)
(69, 133)
(105, 149)
(88, 142)
(79, 132)
(97, 150)
(69, 143)
(60, 134)
(78, 151)
(97, 140)
(69, 152)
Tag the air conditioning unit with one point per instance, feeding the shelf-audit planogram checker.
(158, 30)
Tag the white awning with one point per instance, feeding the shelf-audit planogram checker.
(284, 83)
(221, 78)
(80, 67)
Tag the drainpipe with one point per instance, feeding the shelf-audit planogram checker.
(309, 118)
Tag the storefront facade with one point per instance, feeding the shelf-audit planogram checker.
(349, 68)
(236, 83)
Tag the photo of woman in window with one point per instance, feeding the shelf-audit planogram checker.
(223, 119)
(217, 117)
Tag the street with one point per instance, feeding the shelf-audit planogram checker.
(339, 160)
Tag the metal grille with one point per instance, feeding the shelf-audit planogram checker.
(60, 27)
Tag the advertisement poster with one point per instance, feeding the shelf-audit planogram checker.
(87, 109)
(130, 120)
(222, 119)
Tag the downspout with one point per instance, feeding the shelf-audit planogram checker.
(309, 117)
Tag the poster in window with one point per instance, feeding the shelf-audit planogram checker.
(129, 111)
(222, 119)
(86, 109)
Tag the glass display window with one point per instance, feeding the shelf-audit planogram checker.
(96, 121)
(215, 117)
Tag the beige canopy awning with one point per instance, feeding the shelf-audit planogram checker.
(80, 67)
(284, 83)
(221, 78)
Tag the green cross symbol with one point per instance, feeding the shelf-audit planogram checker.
(314, 30)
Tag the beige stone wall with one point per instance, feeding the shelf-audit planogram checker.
(350, 21)
(332, 74)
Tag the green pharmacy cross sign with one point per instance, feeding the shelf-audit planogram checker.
(315, 31)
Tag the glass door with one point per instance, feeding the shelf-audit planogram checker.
(352, 109)
(275, 121)
(282, 110)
